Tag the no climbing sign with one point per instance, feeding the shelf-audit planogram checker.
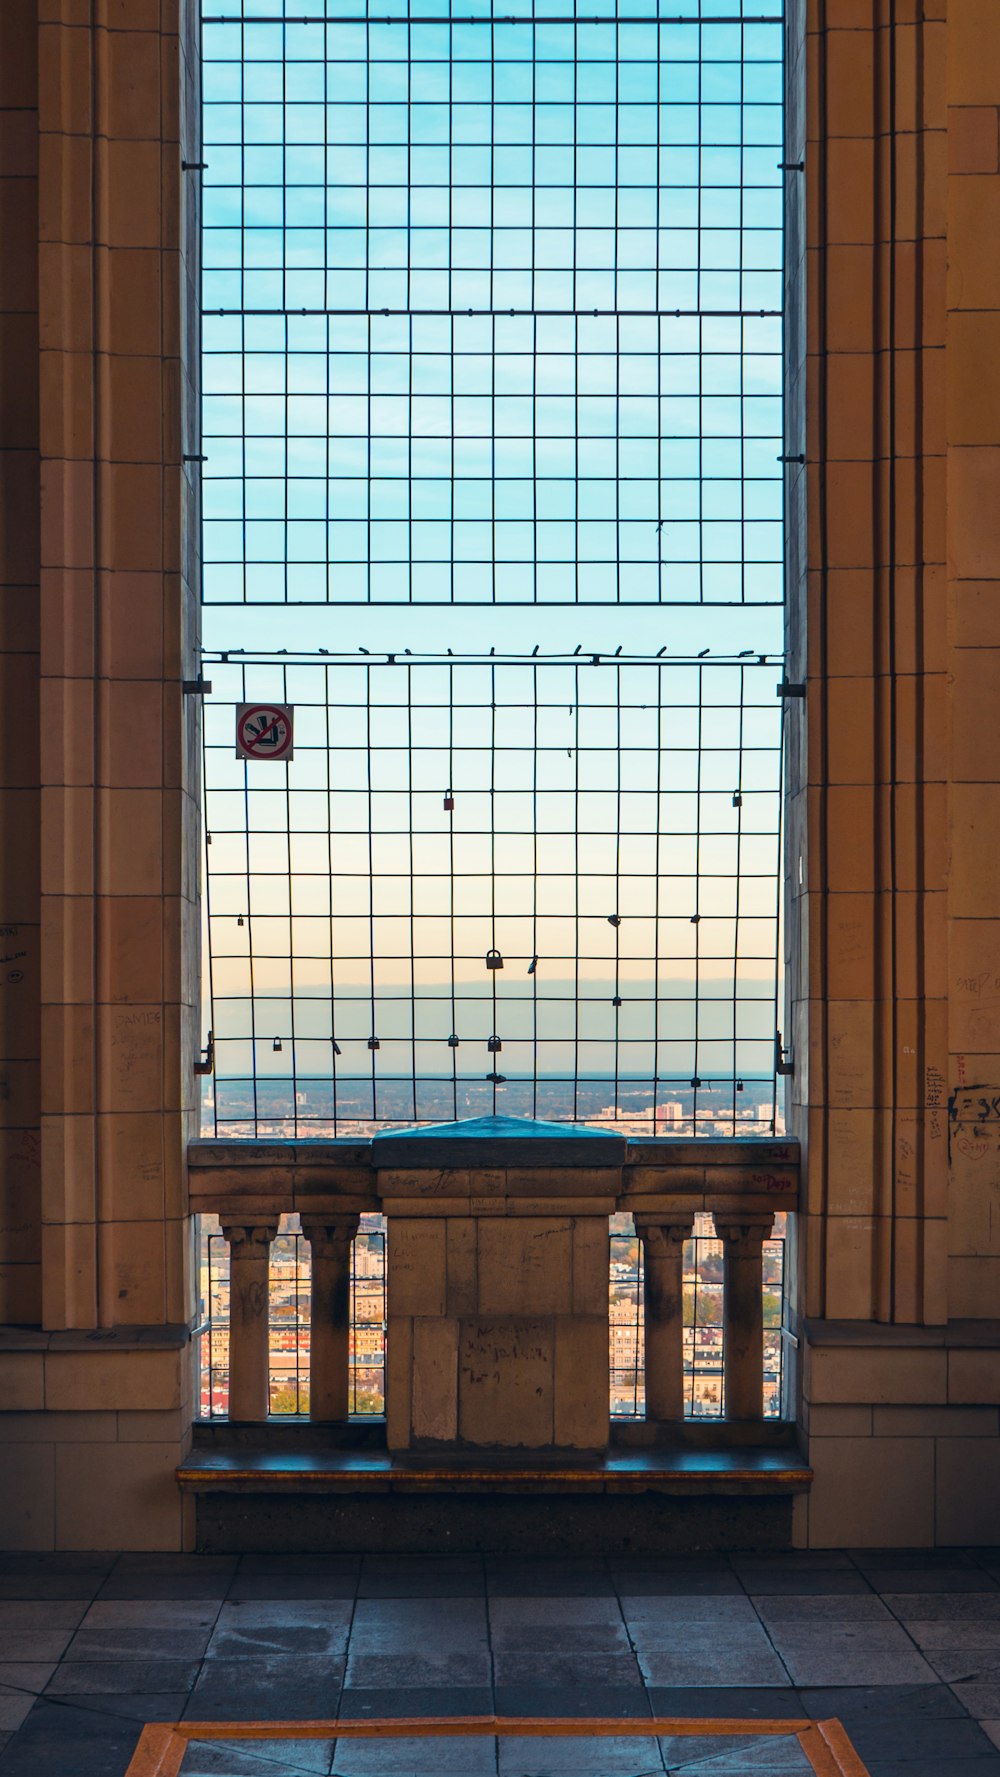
(264, 731)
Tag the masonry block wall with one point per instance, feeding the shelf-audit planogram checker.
(894, 879)
(99, 873)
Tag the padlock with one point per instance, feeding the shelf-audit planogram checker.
(494, 1046)
(617, 1000)
(449, 802)
(614, 919)
(373, 1043)
(276, 1045)
(453, 1041)
(737, 799)
(494, 960)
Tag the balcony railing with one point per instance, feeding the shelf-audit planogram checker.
(294, 1287)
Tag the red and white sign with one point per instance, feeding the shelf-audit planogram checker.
(264, 731)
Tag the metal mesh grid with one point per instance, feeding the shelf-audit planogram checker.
(612, 846)
(493, 307)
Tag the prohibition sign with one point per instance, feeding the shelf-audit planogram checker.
(264, 731)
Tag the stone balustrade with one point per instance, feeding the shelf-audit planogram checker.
(497, 1269)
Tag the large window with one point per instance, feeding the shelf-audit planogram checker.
(492, 347)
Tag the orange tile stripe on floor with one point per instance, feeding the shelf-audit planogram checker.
(161, 1748)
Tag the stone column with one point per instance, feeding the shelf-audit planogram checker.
(330, 1238)
(743, 1238)
(249, 1249)
(663, 1236)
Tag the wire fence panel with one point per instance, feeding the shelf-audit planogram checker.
(545, 889)
(493, 307)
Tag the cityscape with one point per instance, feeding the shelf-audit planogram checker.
(289, 1320)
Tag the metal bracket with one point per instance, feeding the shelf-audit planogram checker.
(199, 687)
(783, 1063)
(194, 166)
(206, 1065)
(791, 166)
(796, 459)
(787, 689)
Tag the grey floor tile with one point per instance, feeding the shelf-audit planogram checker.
(461, 1755)
(578, 1755)
(414, 1576)
(136, 1706)
(735, 1756)
(509, 1615)
(657, 1622)
(992, 1729)
(707, 1701)
(278, 1688)
(944, 1607)
(138, 1644)
(257, 1758)
(357, 1703)
(257, 1627)
(41, 1614)
(418, 1670)
(26, 1675)
(513, 1666)
(33, 1644)
(81, 1678)
(887, 1636)
(953, 1665)
(58, 1740)
(707, 1578)
(791, 1610)
(520, 1577)
(989, 1766)
(14, 1707)
(295, 1576)
(904, 1737)
(398, 1625)
(979, 1695)
(571, 1700)
(856, 1702)
(710, 1661)
(170, 1576)
(604, 1639)
(854, 1665)
(174, 1614)
(952, 1636)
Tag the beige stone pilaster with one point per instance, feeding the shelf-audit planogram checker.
(249, 1318)
(330, 1238)
(663, 1236)
(743, 1238)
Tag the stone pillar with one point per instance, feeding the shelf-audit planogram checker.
(743, 1238)
(249, 1250)
(663, 1237)
(330, 1238)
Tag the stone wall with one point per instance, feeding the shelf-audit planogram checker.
(102, 520)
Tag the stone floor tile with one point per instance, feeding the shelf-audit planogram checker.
(175, 1614)
(26, 1675)
(979, 1695)
(771, 1702)
(657, 1622)
(169, 1576)
(742, 1660)
(282, 1687)
(992, 1729)
(58, 1740)
(356, 1703)
(510, 1576)
(855, 1664)
(604, 1639)
(988, 1766)
(254, 1627)
(821, 1609)
(952, 1637)
(875, 1637)
(735, 1755)
(917, 1737)
(512, 1615)
(258, 1758)
(579, 1755)
(514, 1666)
(33, 1644)
(14, 1707)
(398, 1625)
(416, 1576)
(674, 1575)
(954, 1665)
(420, 1669)
(81, 1678)
(571, 1700)
(461, 1755)
(849, 1702)
(138, 1644)
(944, 1607)
(66, 1613)
(295, 1576)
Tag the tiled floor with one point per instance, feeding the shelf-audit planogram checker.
(904, 1648)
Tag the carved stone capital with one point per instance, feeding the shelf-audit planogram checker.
(330, 1236)
(743, 1235)
(663, 1233)
(249, 1240)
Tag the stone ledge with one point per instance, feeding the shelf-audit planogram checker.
(981, 1335)
(345, 1472)
(95, 1339)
